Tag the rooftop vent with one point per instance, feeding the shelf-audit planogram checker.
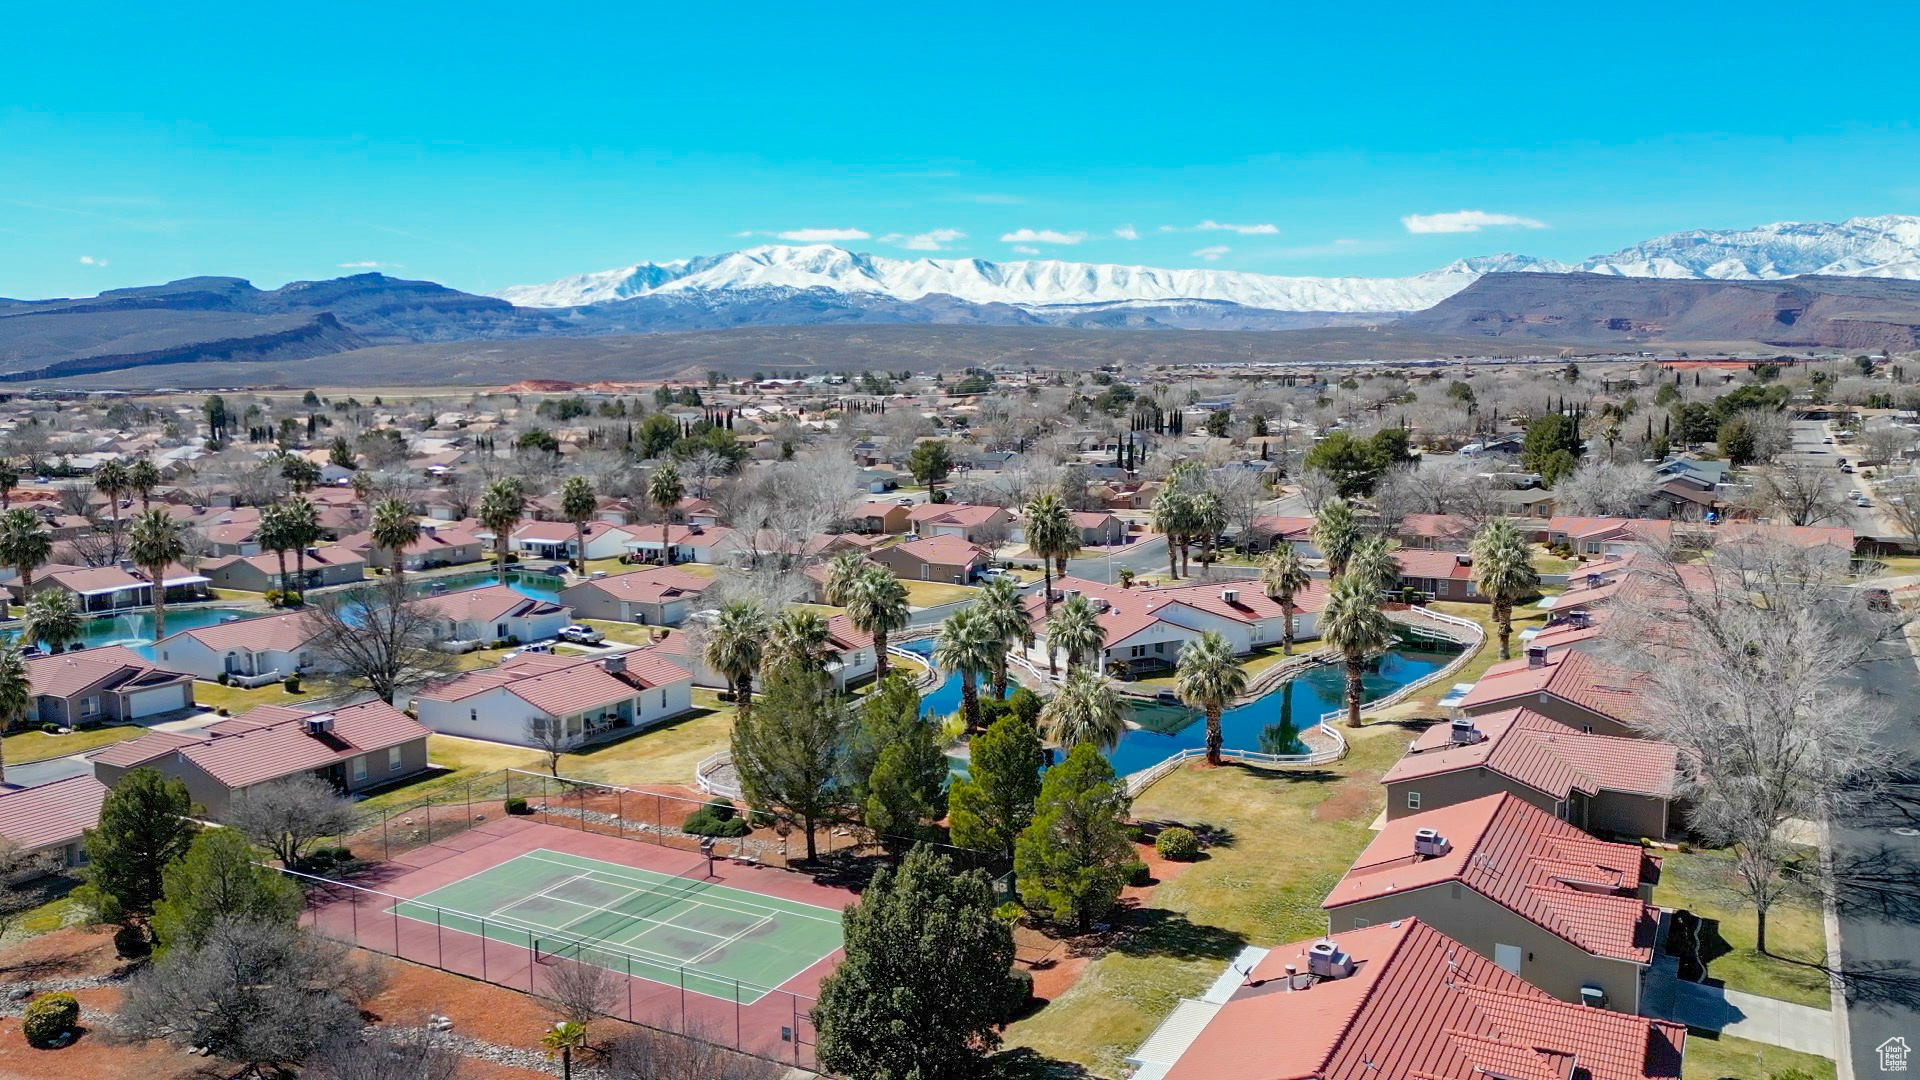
(1429, 844)
(1464, 733)
(1327, 961)
(1463, 560)
(1536, 656)
(1102, 605)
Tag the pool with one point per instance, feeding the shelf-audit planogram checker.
(135, 628)
(1270, 725)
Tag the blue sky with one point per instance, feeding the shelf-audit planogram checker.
(486, 145)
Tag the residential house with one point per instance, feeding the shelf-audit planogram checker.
(1144, 630)
(657, 596)
(885, 516)
(988, 526)
(1435, 532)
(1600, 783)
(946, 559)
(709, 545)
(581, 699)
(1569, 687)
(250, 652)
(854, 660)
(325, 567)
(1537, 896)
(440, 543)
(107, 685)
(1097, 528)
(1438, 575)
(1267, 530)
(554, 540)
(1399, 1000)
(98, 590)
(477, 617)
(354, 748)
(50, 819)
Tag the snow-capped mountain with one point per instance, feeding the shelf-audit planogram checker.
(1885, 246)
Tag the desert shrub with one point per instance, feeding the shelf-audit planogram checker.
(1138, 873)
(706, 822)
(1177, 843)
(50, 1018)
(517, 805)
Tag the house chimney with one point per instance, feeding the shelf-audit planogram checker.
(614, 663)
(1536, 656)
(1429, 844)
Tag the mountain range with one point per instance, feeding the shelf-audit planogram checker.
(1885, 246)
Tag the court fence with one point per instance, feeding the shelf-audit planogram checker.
(765, 1022)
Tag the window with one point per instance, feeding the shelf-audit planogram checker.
(393, 759)
(473, 715)
(663, 699)
(360, 769)
(1413, 800)
(1362, 924)
(90, 706)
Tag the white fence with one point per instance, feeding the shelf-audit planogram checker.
(1145, 778)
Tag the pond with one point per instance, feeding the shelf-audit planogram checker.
(135, 628)
(527, 583)
(1270, 725)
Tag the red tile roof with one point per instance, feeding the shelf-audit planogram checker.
(964, 514)
(50, 814)
(847, 637)
(1447, 528)
(1129, 611)
(1418, 1006)
(484, 604)
(694, 536)
(1517, 856)
(66, 674)
(272, 741)
(650, 586)
(1283, 526)
(284, 633)
(1545, 755)
(563, 685)
(1440, 565)
(1568, 675)
(943, 550)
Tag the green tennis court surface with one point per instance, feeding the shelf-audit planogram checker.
(718, 941)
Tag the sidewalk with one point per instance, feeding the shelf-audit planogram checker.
(1745, 1016)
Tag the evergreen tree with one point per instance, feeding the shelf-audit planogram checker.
(220, 876)
(993, 803)
(916, 997)
(788, 749)
(1071, 860)
(144, 826)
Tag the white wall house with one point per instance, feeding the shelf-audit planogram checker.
(585, 698)
(496, 612)
(250, 651)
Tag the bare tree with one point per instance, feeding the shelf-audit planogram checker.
(693, 1054)
(1883, 443)
(1605, 488)
(259, 993)
(579, 992)
(1798, 494)
(75, 499)
(1749, 663)
(548, 735)
(18, 871)
(1241, 494)
(385, 1053)
(1316, 487)
(289, 815)
(378, 639)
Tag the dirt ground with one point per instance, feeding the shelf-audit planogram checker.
(1056, 963)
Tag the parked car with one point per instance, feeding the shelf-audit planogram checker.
(581, 635)
(1826, 442)
(993, 573)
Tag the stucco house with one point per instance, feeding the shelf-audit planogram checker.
(949, 560)
(492, 613)
(656, 596)
(251, 652)
(583, 698)
(1565, 685)
(112, 684)
(325, 566)
(50, 819)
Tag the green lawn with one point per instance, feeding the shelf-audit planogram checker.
(211, 695)
(1524, 618)
(625, 633)
(1546, 562)
(926, 594)
(58, 911)
(38, 746)
(1725, 1058)
(1294, 833)
(1701, 882)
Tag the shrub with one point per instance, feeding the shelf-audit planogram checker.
(1138, 873)
(293, 684)
(1016, 995)
(1136, 832)
(1177, 843)
(226, 679)
(705, 822)
(50, 728)
(51, 1018)
(272, 597)
(517, 805)
(720, 808)
(1009, 912)
(130, 942)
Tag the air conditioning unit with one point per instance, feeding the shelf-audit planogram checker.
(320, 725)
(1580, 618)
(1464, 733)
(1326, 960)
(1429, 844)
(1536, 656)
(1231, 596)
(1593, 581)
(1593, 997)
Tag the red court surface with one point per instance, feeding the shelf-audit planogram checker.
(776, 1026)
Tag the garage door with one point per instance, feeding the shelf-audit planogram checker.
(158, 700)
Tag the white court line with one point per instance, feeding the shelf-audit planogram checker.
(592, 911)
(529, 898)
(743, 909)
(537, 930)
(729, 941)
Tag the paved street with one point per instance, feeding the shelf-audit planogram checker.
(1808, 448)
(1141, 556)
(1877, 862)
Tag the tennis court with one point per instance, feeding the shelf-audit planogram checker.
(682, 931)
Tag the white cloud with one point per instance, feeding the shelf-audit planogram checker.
(367, 264)
(997, 200)
(1466, 221)
(88, 260)
(931, 240)
(1127, 232)
(1025, 250)
(1211, 225)
(1212, 254)
(743, 234)
(824, 236)
(1042, 236)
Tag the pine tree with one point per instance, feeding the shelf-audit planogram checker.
(993, 803)
(144, 826)
(221, 876)
(788, 748)
(1071, 861)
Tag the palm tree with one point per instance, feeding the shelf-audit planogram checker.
(154, 544)
(502, 506)
(1209, 678)
(1209, 520)
(664, 491)
(111, 480)
(1503, 571)
(578, 502)
(736, 643)
(303, 531)
(1371, 562)
(275, 534)
(142, 478)
(24, 545)
(967, 647)
(999, 607)
(843, 573)
(1084, 709)
(1353, 623)
(394, 528)
(877, 605)
(16, 694)
(1075, 630)
(1334, 533)
(51, 620)
(1048, 532)
(1172, 510)
(1284, 573)
(800, 636)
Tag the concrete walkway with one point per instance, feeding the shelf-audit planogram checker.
(1744, 1016)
